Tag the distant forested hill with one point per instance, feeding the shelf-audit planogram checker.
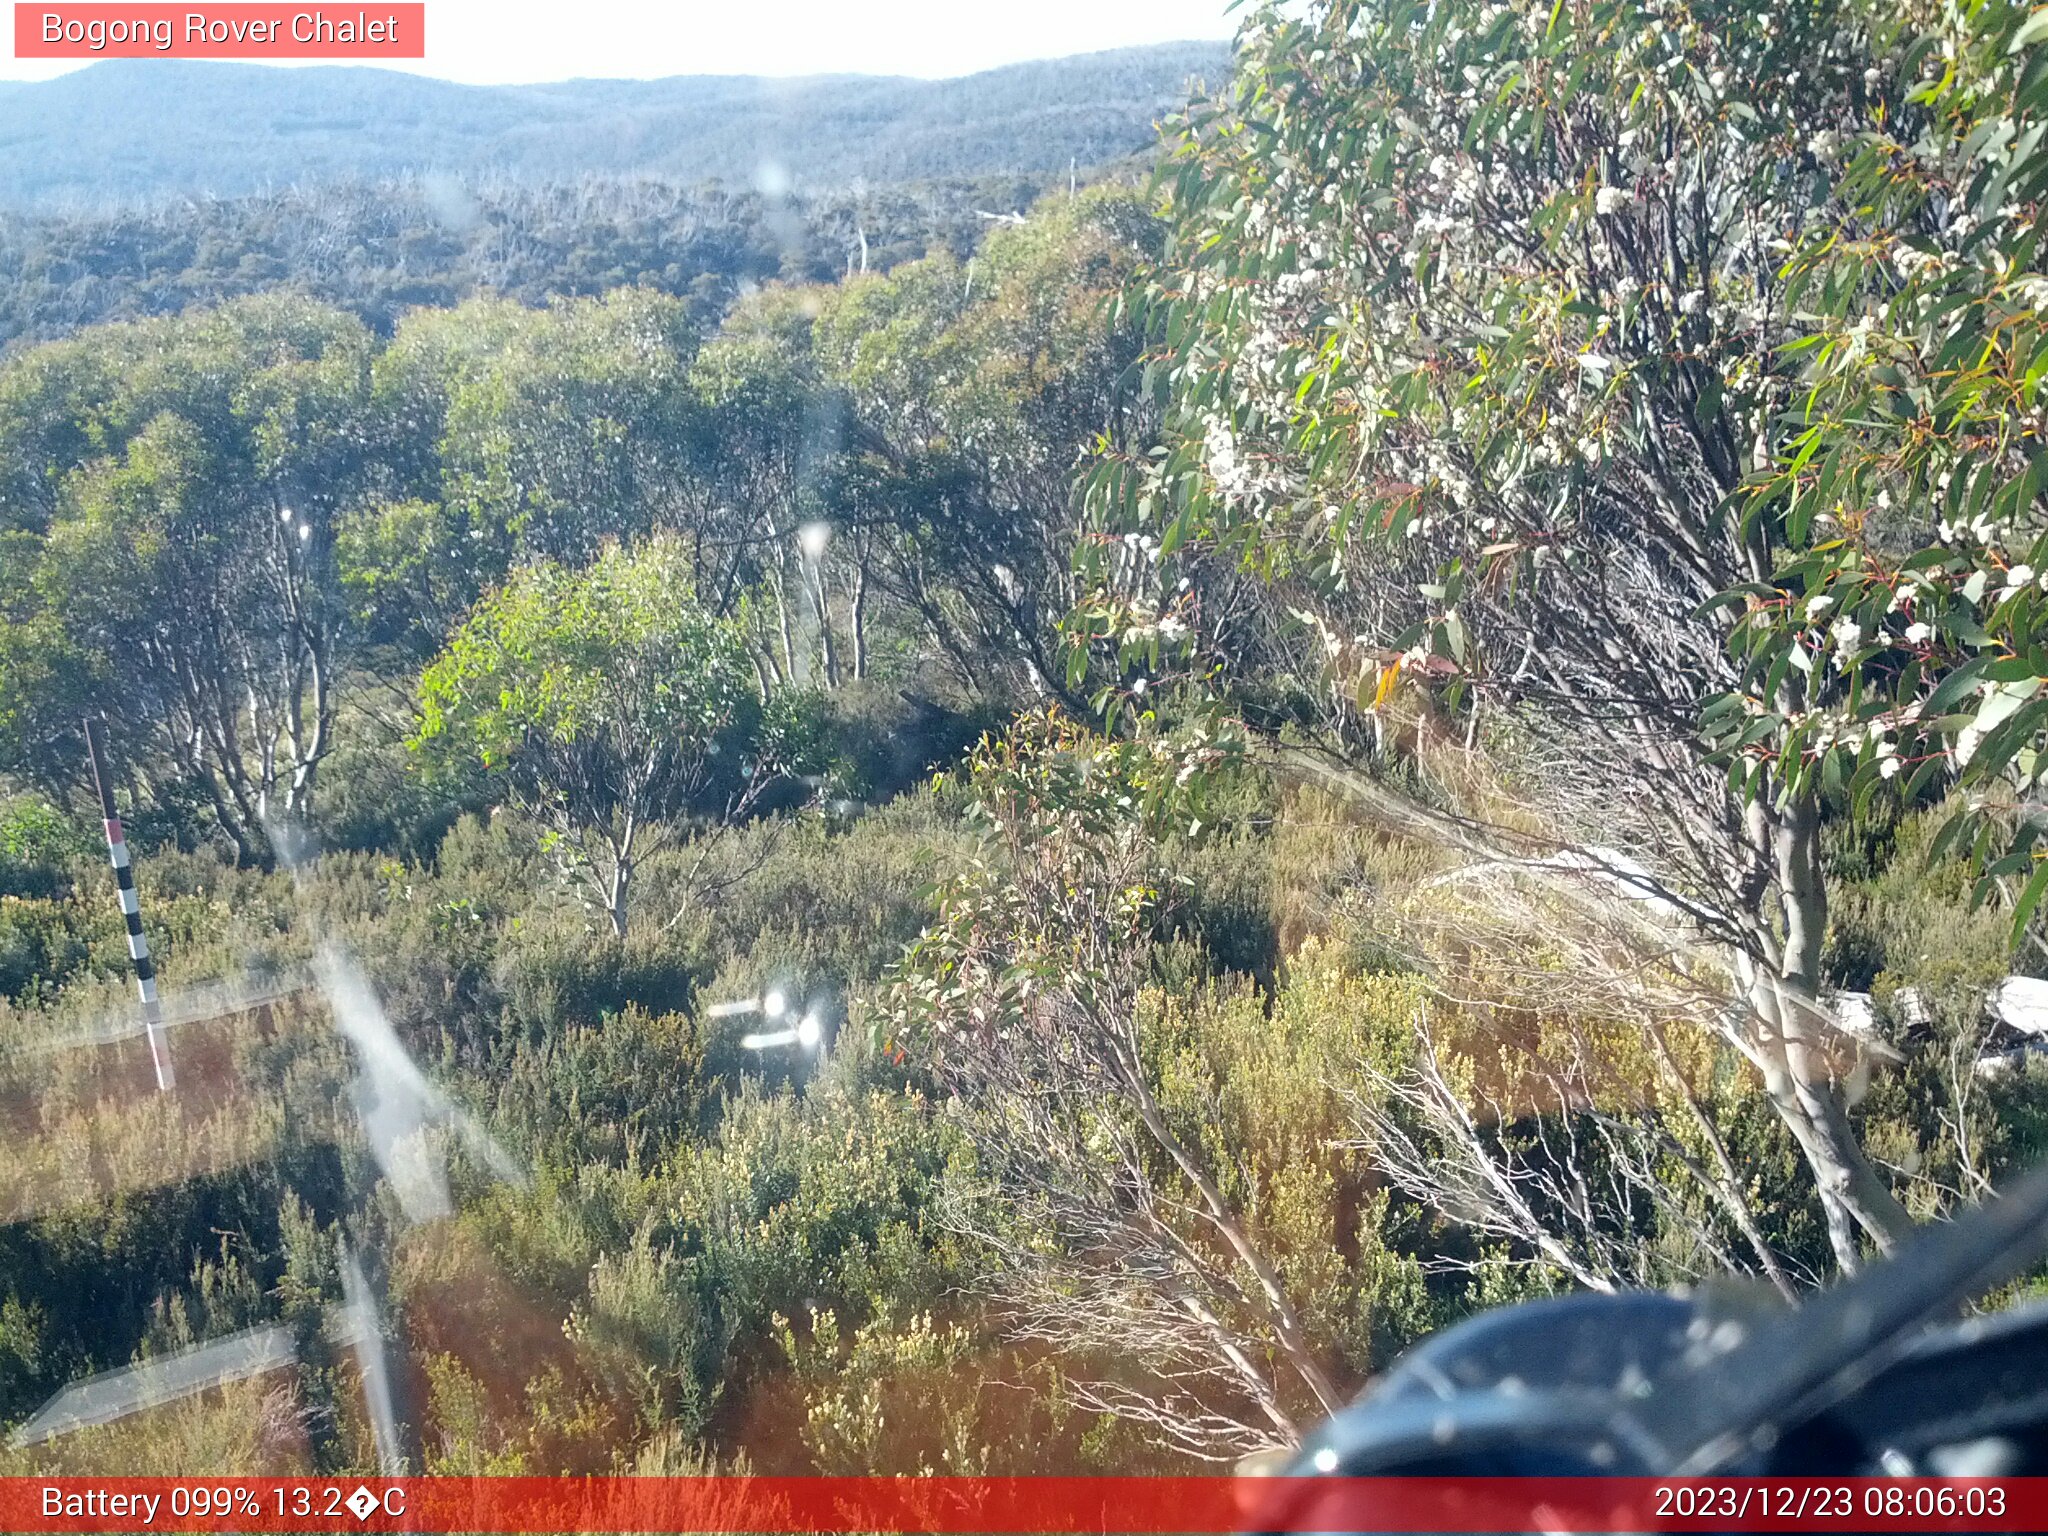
(380, 248)
(146, 130)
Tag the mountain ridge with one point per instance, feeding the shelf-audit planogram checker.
(134, 131)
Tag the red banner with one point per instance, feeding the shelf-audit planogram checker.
(234, 31)
(1023, 1506)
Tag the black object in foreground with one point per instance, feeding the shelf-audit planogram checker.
(1858, 1381)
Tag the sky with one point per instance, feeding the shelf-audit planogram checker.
(517, 42)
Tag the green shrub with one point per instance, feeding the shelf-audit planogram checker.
(38, 845)
(41, 947)
(628, 1089)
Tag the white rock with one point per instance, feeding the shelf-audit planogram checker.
(2002, 1063)
(1854, 1014)
(2021, 1003)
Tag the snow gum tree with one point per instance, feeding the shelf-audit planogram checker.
(607, 701)
(1480, 327)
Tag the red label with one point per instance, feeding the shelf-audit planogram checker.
(378, 31)
(1020, 1506)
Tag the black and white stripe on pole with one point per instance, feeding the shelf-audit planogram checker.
(131, 908)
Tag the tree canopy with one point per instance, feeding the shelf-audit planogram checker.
(1500, 346)
(610, 701)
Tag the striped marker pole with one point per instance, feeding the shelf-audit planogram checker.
(131, 909)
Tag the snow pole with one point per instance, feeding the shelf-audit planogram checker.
(131, 909)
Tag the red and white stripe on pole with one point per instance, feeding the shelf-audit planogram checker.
(131, 909)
